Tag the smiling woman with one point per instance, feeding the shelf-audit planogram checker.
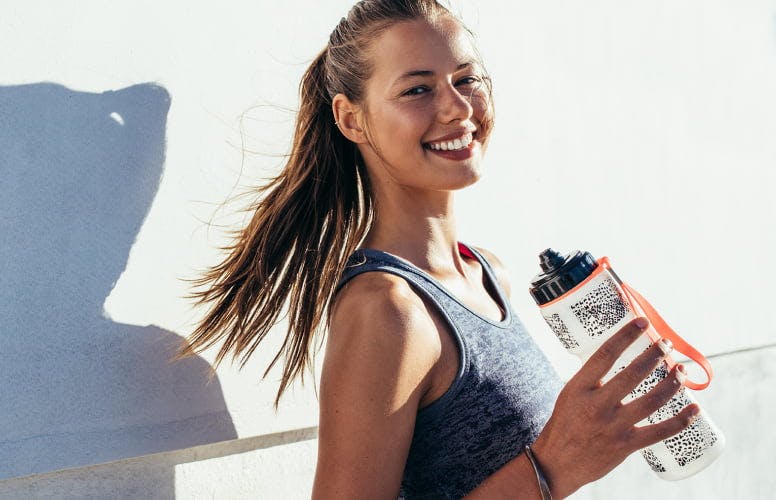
(424, 98)
(431, 387)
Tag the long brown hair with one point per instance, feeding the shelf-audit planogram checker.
(309, 218)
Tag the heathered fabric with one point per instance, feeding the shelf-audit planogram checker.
(501, 398)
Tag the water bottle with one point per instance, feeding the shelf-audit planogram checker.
(584, 302)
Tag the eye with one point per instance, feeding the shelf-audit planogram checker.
(420, 89)
(471, 80)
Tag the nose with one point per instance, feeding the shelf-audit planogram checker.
(453, 105)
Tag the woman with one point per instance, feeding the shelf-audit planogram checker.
(430, 387)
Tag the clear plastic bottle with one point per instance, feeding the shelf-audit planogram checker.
(584, 302)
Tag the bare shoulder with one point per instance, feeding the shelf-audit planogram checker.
(380, 352)
(382, 318)
(502, 274)
(379, 299)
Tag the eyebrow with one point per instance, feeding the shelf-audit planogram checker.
(426, 72)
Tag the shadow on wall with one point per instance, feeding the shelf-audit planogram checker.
(78, 173)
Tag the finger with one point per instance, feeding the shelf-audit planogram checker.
(644, 406)
(602, 360)
(638, 369)
(651, 434)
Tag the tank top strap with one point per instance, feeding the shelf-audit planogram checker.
(366, 260)
(490, 274)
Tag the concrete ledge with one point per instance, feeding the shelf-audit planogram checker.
(741, 400)
(240, 468)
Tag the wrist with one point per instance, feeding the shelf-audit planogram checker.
(558, 476)
(515, 480)
(541, 480)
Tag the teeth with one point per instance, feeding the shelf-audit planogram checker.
(455, 145)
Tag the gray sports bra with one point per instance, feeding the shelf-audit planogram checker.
(501, 397)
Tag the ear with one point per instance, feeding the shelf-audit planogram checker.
(349, 118)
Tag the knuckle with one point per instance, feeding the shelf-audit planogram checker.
(673, 387)
(680, 423)
(658, 350)
(628, 437)
(647, 361)
(668, 387)
(633, 375)
(665, 345)
(660, 432)
(630, 433)
(606, 352)
(656, 398)
(677, 424)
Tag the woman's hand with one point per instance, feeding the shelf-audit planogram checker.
(591, 431)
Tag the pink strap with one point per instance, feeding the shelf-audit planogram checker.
(666, 331)
(464, 250)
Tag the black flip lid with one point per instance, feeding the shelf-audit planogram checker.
(560, 274)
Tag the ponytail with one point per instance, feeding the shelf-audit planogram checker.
(311, 217)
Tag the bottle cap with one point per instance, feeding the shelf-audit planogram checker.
(561, 273)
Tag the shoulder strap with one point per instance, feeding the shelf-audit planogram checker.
(489, 271)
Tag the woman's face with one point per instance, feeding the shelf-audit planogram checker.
(424, 107)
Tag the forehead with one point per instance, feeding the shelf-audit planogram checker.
(420, 45)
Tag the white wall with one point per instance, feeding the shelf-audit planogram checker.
(638, 130)
(120, 135)
(642, 131)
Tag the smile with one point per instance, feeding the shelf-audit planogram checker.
(452, 145)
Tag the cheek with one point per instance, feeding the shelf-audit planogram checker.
(402, 128)
(483, 113)
(480, 102)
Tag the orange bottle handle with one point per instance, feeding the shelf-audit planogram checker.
(666, 331)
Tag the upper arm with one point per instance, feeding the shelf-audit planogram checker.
(379, 354)
(499, 270)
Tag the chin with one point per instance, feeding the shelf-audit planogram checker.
(465, 179)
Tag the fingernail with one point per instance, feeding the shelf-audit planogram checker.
(682, 369)
(666, 346)
(641, 322)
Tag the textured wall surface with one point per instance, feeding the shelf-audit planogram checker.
(642, 131)
(76, 186)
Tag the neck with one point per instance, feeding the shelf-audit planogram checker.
(420, 228)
